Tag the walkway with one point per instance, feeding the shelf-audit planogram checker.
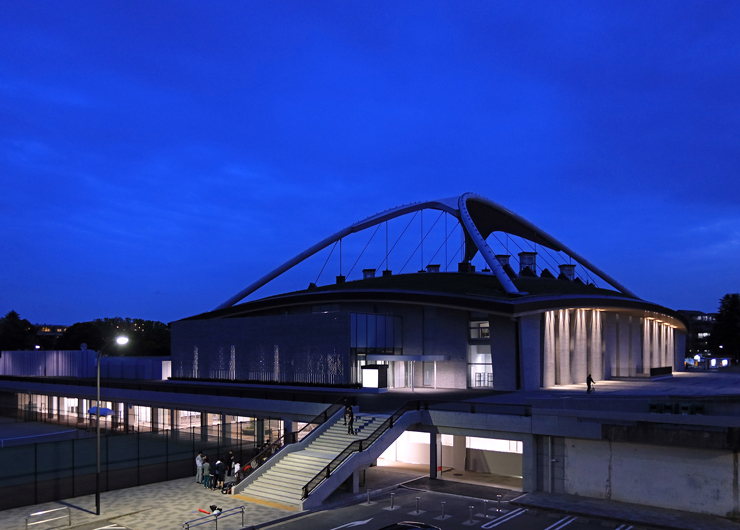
(161, 506)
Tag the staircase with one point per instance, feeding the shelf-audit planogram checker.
(283, 482)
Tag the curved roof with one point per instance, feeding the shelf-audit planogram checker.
(478, 216)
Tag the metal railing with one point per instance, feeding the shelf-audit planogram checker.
(360, 445)
(292, 437)
(68, 516)
(214, 517)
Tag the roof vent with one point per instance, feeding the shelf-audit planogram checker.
(368, 273)
(528, 260)
(340, 279)
(387, 273)
(567, 272)
(465, 266)
(432, 268)
(503, 259)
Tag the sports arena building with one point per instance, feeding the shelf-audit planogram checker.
(534, 327)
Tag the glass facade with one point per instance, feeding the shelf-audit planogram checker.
(480, 369)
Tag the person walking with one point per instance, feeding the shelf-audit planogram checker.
(347, 413)
(351, 421)
(589, 384)
(199, 468)
(206, 473)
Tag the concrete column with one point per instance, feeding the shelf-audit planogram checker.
(563, 348)
(155, 419)
(610, 344)
(529, 462)
(435, 453)
(355, 484)
(503, 352)
(225, 429)
(596, 361)
(636, 346)
(204, 416)
(459, 452)
(548, 346)
(259, 431)
(174, 419)
(680, 351)
(530, 351)
(288, 427)
(623, 341)
(580, 347)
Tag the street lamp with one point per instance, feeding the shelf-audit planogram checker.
(120, 341)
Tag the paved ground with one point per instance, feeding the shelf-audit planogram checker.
(162, 506)
(460, 513)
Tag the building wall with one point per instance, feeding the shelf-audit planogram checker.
(307, 348)
(669, 477)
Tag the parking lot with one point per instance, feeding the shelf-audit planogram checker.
(459, 513)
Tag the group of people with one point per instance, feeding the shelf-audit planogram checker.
(213, 476)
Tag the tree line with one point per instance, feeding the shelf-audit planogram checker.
(146, 337)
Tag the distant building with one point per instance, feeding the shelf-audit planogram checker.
(50, 330)
(700, 328)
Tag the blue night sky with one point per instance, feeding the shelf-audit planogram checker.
(157, 157)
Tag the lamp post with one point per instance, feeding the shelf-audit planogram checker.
(121, 341)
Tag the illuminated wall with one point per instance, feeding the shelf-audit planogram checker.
(578, 342)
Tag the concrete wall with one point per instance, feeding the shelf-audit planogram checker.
(503, 352)
(530, 351)
(692, 479)
(494, 462)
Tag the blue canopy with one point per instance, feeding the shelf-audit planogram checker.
(103, 411)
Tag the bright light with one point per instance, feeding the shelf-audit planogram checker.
(697, 358)
(38, 347)
(713, 362)
(725, 362)
(122, 340)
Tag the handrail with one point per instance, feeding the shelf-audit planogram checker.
(214, 517)
(273, 448)
(69, 516)
(360, 445)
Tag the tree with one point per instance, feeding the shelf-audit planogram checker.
(81, 333)
(727, 327)
(16, 333)
(146, 337)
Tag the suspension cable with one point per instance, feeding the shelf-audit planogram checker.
(455, 254)
(444, 243)
(420, 244)
(327, 261)
(363, 250)
(396, 243)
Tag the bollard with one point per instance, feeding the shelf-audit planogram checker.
(443, 509)
(499, 503)
(417, 504)
(485, 509)
(471, 515)
(368, 496)
(392, 494)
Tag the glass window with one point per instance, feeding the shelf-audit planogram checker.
(494, 444)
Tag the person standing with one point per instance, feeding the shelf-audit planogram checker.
(206, 473)
(350, 421)
(219, 474)
(589, 383)
(230, 461)
(199, 468)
